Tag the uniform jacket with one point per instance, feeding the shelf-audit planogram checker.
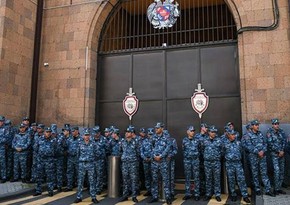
(21, 140)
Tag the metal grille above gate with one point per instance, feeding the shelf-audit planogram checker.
(201, 22)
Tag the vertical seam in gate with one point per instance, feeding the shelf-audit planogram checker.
(164, 110)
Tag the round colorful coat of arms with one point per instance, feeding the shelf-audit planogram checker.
(163, 15)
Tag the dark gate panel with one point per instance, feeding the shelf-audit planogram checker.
(111, 113)
(148, 75)
(148, 113)
(223, 110)
(164, 82)
(182, 72)
(115, 77)
(220, 70)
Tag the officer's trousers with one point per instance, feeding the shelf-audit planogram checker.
(162, 168)
(279, 170)
(45, 167)
(20, 161)
(213, 177)
(130, 177)
(235, 170)
(259, 165)
(191, 168)
(86, 167)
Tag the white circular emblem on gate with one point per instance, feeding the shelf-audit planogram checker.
(199, 101)
(163, 15)
(130, 104)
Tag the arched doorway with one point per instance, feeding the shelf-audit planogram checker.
(165, 66)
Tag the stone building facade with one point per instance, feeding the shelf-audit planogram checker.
(67, 87)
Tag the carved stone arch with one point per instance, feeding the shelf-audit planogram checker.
(236, 10)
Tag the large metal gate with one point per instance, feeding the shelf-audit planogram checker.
(201, 50)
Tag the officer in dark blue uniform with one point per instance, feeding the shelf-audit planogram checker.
(20, 145)
(102, 146)
(286, 183)
(45, 147)
(59, 156)
(171, 159)
(191, 145)
(129, 149)
(114, 143)
(231, 126)
(202, 135)
(255, 145)
(10, 135)
(33, 130)
(145, 151)
(72, 144)
(212, 145)
(26, 122)
(66, 135)
(3, 142)
(86, 157)
(233, 156)
(39, 133)
(160, 151)
(276, 140)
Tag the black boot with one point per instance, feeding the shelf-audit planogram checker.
(36, 194)
(218, 198)
(77, 200)
(186, 197)
(152, 200)
(269, 193)
(247, 200)
(95, 201)
(134, 199)
(123, 198)
(148, 193)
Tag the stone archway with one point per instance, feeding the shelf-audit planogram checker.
(113, 114)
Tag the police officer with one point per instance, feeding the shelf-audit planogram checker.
(59, 156)
(202, 135)
(212, 145)
(171, 159)
(20, 145)
(129, 149)
(3, 142)
(33, 130)
(160, 150)
(145, 151)
(10, 135)
(233, 156)
(45, 147)
(107, 133)
(72, 161)
(114, 143)
(86, 156)
(66, 135)
(286, 183)
(276, 140)
(26, 122)
(256, 146)
(142, 137)
(191, 146)
(102, 145)
(231, 126)
(39, 133)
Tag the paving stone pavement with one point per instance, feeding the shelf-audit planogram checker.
(279, 199)
(9, 188)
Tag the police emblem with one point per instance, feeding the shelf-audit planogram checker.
(163, 15)
(130, 104)
(199, 101)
